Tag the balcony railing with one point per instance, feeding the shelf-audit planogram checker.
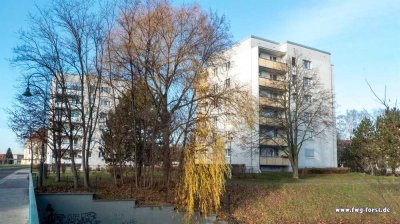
(276, 84)
(270, 121)
(270, 102)
(272, 141)
(276, 161)
(279, 66)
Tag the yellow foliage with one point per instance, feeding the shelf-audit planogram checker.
(204, 171)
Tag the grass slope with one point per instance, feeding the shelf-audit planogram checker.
(276, 198)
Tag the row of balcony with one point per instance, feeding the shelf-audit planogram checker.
(272, 141)
(274, 84)
(275, 161)
(277, 66)
(268, 121)
(264, 101)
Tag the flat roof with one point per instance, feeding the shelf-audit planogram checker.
(288, 42)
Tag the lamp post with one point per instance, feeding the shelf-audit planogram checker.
(230, 138)
(28, 93)
(30, 143)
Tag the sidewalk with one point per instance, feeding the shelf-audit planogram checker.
(14, 197)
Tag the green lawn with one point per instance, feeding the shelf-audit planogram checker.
(276, 198)
(13, 165)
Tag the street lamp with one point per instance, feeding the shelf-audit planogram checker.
(28, 93)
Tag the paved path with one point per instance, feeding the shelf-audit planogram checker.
(14, 196)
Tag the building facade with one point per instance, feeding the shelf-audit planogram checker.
(105, 99)
(261, 65)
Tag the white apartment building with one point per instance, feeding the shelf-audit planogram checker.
(257, 63)
(106, 99)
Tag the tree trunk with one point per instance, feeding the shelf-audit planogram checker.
(58, 169)
(295, 166)
(295, 172)
(74, 172)
(73, 166)
(85, 167)
(166, 156)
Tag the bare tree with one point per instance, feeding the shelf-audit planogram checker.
(170, 48)
(307, 110)
(65, 42)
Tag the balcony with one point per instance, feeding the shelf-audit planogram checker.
(272, 141)
(278, 66)
(264, 101)
(275, 161)
(270, 121)
(275, 84)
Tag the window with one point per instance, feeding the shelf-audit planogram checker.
(263, 55)
(215, 118)
(215, 88)
(309, 153)
(228, 152)
(59, 112)
(105, 102)
(307, 99)
(272, 58)
(105, 89)
(306, 81)
(75, 100)
(102, 127)
(76, 142)
(269, 113)
(264, 74)
(273, 133)
(269, 152)
(293, 61)
(267, 94)
(103, 115)
(268, 132)
(99, 154)
(307, 64)
(59, 99)
(307, 116)
(227, 83)
(267, 75)
(215, 102)
(310, 134)
(227, 65)
(74, 86)
(215, 71)
(74, 113)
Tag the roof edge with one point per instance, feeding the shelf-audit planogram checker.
(311, 48)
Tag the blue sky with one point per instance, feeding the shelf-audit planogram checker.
(362, 35)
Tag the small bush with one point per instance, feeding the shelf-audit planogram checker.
(333, 170)
(238, 169)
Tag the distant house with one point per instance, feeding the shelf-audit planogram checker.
(2, 159)
(18, 158)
